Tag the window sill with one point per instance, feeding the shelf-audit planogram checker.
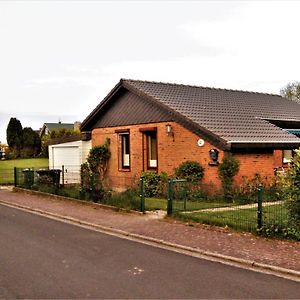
(125, 170)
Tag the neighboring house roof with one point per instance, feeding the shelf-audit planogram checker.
(53, 126)
(56, 126)
(229, 118)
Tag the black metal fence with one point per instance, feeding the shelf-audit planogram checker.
(262, 214)
(6, 176)
(31, 178)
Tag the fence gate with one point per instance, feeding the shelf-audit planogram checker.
(177, 195)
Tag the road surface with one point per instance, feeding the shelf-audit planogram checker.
(45, 258)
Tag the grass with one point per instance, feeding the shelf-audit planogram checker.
(24, 163)
(158, 203)
(155, 203)
(241, 219)
(7, 167)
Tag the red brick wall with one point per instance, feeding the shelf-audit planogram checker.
(255, 163)
(172, 152)
(278, 157)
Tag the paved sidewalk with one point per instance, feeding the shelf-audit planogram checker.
(215, 240)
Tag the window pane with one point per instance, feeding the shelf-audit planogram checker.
(125, 150)
(152, 150)
(287, 156)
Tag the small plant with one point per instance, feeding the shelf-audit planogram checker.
(247, 191)
(155, 184)
(128, 199)
(279, 230)
(192, 171)
(227, 169)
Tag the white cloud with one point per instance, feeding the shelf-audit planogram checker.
(58, 82)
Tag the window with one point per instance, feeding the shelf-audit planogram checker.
(152, 149)
(287, 156)
(125, 150)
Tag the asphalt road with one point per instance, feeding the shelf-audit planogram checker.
(44, 258)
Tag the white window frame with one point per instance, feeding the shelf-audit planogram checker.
(287, 156)
(125, 150)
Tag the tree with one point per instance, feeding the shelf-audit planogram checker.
(14, 137)
(31, 143)
(292, 91)
(56, 134)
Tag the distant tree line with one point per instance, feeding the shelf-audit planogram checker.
(27, 143)
(22, 142)
(291, 91)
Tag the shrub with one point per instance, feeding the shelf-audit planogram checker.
(227, 169)
(155, 184)
(247, 192)
(98, 158)
(92, 173)
(279, 230)
(290, 191)
(192, 171)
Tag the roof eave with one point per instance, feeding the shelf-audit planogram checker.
(263, 145)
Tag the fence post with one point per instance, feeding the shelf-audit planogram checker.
(63, 175)
(170, 197)
(15, 176)
(184, 194)
(142, 194)
(92, 182)
(259, 206)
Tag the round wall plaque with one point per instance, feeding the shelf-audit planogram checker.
(200, 142)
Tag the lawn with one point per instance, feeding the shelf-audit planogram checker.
(242, 219)
(159, 203)
(7, 167)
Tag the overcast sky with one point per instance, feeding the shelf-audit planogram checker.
(59, 59)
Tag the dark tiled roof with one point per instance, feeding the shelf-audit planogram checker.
(234, 116)
(52, 126)
(228, 118)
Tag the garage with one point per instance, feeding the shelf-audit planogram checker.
(65, 156)
(68, 157)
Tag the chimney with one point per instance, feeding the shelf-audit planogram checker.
(77, 126)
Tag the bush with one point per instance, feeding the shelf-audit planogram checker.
(92, 173)
(192, 171)
(155, 184)
(247, 191)
(279, 230)
(227, 169)
(98, 158)
(290, 191)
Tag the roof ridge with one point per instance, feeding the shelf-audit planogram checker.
(202, 87)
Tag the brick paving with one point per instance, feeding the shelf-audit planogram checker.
(278, 253)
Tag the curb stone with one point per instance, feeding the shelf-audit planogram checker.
(217, 257)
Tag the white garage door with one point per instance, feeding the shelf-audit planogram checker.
(66, 156)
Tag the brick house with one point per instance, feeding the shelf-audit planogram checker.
(155, 126)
